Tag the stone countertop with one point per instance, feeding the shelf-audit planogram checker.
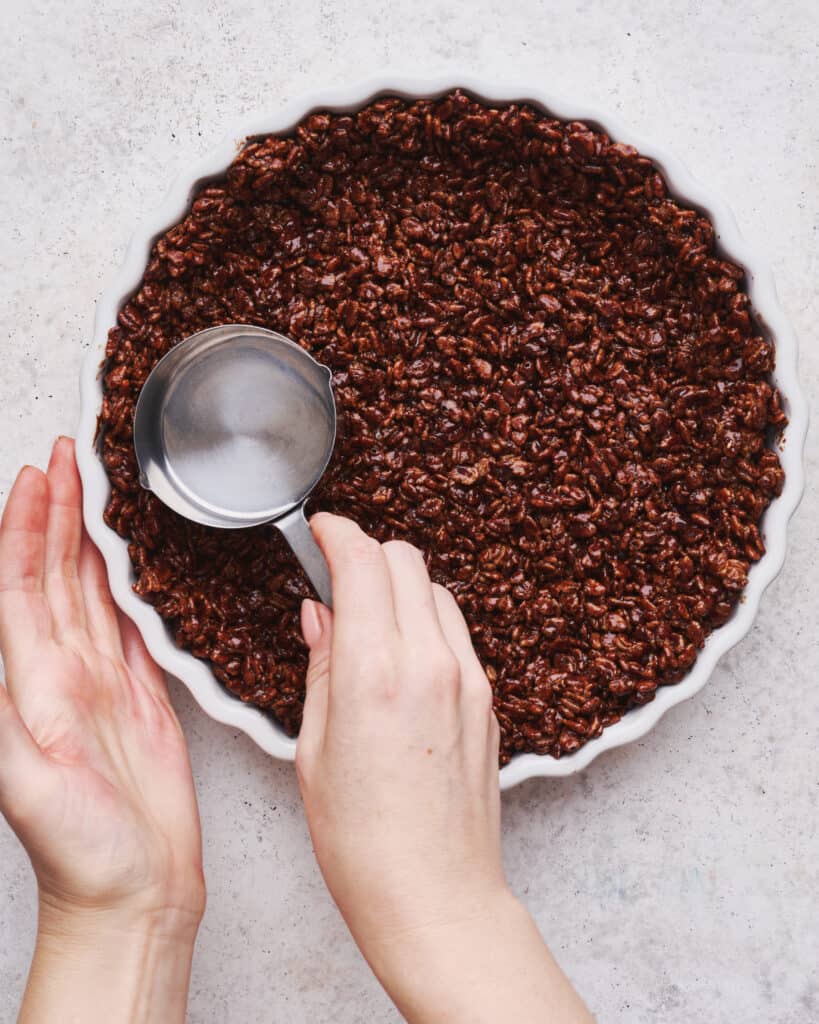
(676, 879)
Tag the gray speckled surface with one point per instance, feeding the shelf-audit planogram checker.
(676, 879)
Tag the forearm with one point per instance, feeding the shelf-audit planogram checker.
(100, 966)
(490, 965)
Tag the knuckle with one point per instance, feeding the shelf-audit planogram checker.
(403, 549)
(318, 668)
(442, 668)
(443, 595)
(481, 697)
(446, 602)
(375, 666)
(362, 550)
(380, 668)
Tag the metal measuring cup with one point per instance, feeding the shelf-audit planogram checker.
(234, 427)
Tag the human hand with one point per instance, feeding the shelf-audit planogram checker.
(398, 765)
(94, 774)
(398, 752)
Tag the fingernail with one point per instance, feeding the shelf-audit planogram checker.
(312, 625)
(55, 449)
(29, 470)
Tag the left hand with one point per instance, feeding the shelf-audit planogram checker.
(94, 771)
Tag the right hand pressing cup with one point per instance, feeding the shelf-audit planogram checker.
(398, 765)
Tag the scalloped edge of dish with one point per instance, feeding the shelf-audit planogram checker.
(212, 697)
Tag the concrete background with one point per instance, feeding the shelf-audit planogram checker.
(676, 879)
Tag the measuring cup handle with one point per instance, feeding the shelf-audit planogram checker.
(296, 531)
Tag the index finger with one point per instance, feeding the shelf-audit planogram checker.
(362, 591)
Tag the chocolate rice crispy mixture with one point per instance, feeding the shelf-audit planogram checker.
(546, 378)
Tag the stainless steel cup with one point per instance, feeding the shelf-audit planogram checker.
(234, 427)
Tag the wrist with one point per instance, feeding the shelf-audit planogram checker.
(103, 963)
(476, 964)
(406, 958)
(164, 921)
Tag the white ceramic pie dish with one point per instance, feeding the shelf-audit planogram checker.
(196, 675)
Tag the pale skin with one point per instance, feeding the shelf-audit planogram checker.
(397, 761)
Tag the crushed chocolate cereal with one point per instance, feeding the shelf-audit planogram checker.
(547, 378)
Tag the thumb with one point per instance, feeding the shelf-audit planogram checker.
(20, 761)
(317, 629)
